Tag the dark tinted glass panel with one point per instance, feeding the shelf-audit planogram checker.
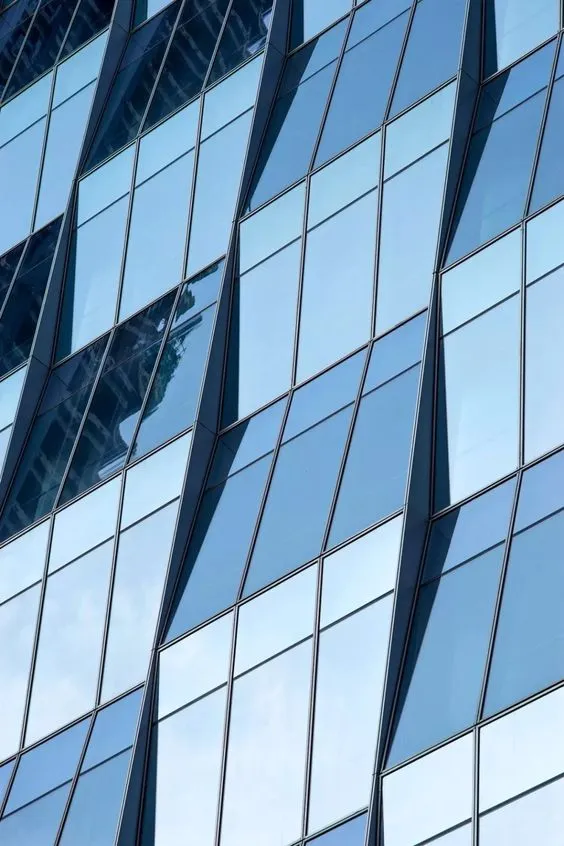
(8, 264)
(244, 35)
(113, 730)
(549, 179)
(92, 17)
(13, 28)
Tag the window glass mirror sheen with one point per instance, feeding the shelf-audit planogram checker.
(114, 729)
(79, 70)
(544, 248)
(25, 109)
(350, 679)
(549, 177)
(245, 443)
(231, 97)
(396, 352)
(194, 666)
(167, 142)
(309, 17)
(39, 820)
(245, 33)
(513, 27)
(105, 184)
(361, 571)
(276, 619)
(541, 492)
(478, 418)
(23, 560)
(430, 795)
(10, 391)
(19, 168)
(538, 814)
(446, 655)
(350, 833)
(272, 227)
(266, 751)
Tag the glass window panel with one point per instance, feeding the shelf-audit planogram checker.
(350, 833)
(544, 359)
(230, 98)
(348, 177)
(496, 176)
(276, 619)
(478, 431)
(422, 128)
(8, 266)
(521, 750)
(272, 227)
(350, 679)
(48, 765)
(147, 8)
(411, 213)
(92, 280)
(142, 560)
(339, 252)
(375, 473)
(219, 545)
(309, 17)
(363, 87)
(22, 562)
(528, 652)
(433, 50)
(5, 775)
(429, 795)
(155, 481)
(541, 492)
(300, 496)
(513, 27)
(195, 665)
(96, 804)
(105, 184)
(79, 70)
(19, 169)
(267, 751)
(244, 35)
(245, 443)
(25, 109)
(10, 391)
(114, 729)
(396, 352)
(262, 330)
(549, 178)
(459, 837)
(220, 166)
(481, 281)
(70, 643)
(155, 247)
(446, 656)
(538, 817)
(38, 822)
(544, 249)
(167, 142)
(84, 524)
(17, 632)
(189, 747)
(64, 140)
(361, 571)
(478, 525)
(93, 15)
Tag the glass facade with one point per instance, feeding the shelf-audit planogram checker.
(281, 422)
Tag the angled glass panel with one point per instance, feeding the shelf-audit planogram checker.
(10, 392)
(267, 751)
(15, 24)
(220, 168)
(8, 265)
(549, 177)
(411, 214)
(79, 70)
(461, 836)
(246, 442)
(395, 353)
(17, 631)
(37, 822)
(544, 249)
(433, 50)
(541, 492)
(19, 169)
(513, 27)
(147, 8)
(107, 183)
(142, 560)
(245, 33)
(338, 283)
(528, 652)
(310, 17)
(274, 226)
(92, 17)
(22, 561)
(25, 109)
(5, 776)
(114, 730)
(478, 403)
(68, 656)
(350, 679)
(226, 101)
(446, 656)
(167, 142)
(358, 104)
(538, 814)
(350, 833)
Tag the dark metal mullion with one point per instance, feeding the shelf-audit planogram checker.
(226, 727)
(300, 285)
(31, 19)
(44, 149)
(217, 43)
(77, 6)
(127, 228)
(522, 350)
(312, 699)
(192, 191)
(476, 785)
(13, 283)
(401, 56)
(378, 229)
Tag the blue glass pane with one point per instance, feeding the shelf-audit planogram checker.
(247, 442)
(528, 653)
(363, 86)
(113, 730)
(375, 475)
(92, 17)
(396, 352)
(309, 17)
(94, 812)
(446, 656)
(5, 774)
(514, 27)
(350, 833)
(542, 491)
(19, 169)
(13, 28)
(218, 548)
(549, 179)
(244, 35)
(297, 507)
(433, 50)
(8, 264)
(36, 824)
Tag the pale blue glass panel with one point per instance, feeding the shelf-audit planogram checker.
(155, 247)
(513, 27)
(544, 245)
(189, 752)
(231, 97)
(105, 184)
(80, 69)
(247, 442)
(267, 752)
(25, 109)
(271, 228)
(478, 423)
(17, 631)
(350, 680)
(311, 16)
(537, 817)
(350, 833)
(336, 306)
(219, 174)
(412, 202)
(10, 390)
(64, 140)
(114, 729)
(395, 352)
(23, 560)
(36, 824)
(19, 169)
(5, 775)
(167, 142)
(541, 492)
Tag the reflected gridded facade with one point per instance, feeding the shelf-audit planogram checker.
(281, 422)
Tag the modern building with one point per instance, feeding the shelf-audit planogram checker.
(281, 417)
